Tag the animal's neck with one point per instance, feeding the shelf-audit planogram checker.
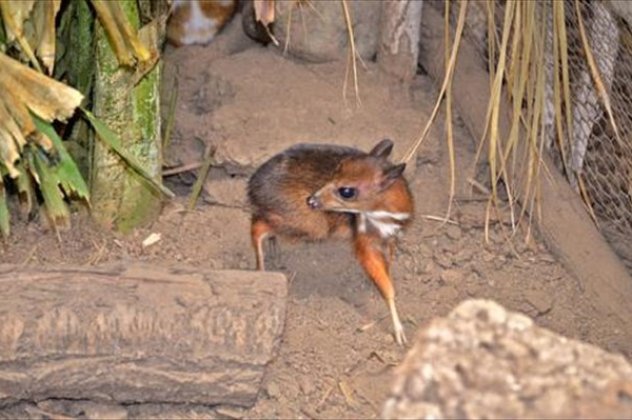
(386, 224)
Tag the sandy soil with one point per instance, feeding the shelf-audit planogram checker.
(337, 353)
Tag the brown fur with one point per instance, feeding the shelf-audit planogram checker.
(177, 32)
(297, 194)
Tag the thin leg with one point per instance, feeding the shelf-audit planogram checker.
(391, 251)
(370, 255)
(258, 231)
(274, 250)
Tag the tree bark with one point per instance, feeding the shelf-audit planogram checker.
(137, 333)
(120, 197)
(398, 48)
(564, 224)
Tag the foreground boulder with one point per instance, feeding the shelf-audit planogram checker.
(483, 361)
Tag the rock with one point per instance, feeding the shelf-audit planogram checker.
(541, 301)
(429, 268)
(318, 32)
(483, 361)
(306, 385)
(273, 390)
(454, 232)
(425, 250)
(226, 191)
(451, 277)
(443, 260)
(464, 255)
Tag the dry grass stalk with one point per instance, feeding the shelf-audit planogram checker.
(446, 89)
(352, 56)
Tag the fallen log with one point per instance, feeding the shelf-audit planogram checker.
(137, 333)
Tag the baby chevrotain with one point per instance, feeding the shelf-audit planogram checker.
(315, 192)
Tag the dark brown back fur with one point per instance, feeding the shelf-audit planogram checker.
(279, 189)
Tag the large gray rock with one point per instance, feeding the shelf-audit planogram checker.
(483, 361)
(317, 30)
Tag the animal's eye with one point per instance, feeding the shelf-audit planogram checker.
(347, 193)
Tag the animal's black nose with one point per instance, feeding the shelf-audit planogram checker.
(313, 202)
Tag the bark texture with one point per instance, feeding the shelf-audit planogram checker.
(398, 48)
(137, 333)
(120, 197)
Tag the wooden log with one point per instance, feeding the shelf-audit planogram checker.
(398, 48)
(564, 225)
(137, 333)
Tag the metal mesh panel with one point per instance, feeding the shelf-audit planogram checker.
(597, 162)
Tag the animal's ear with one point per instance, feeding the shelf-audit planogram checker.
(382, 149)
(391, 174)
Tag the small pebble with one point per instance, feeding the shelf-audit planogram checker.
(542, 302)
(454, 232)
(273, 390)
(451, 276)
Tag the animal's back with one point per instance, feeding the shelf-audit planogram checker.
(279, 189)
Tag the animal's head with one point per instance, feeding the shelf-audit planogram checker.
(359, 183)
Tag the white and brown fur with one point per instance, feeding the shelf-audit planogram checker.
(198, 21)
(300, 193)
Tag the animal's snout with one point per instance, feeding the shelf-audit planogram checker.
(313, 202)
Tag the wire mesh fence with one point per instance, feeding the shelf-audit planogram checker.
(595, 157)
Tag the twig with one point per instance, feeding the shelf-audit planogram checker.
(201, 176)
(182, 168)
(439, 219)
(483, 189)
(166, 140)
(347, 392)
(30, 255)
(325, 396)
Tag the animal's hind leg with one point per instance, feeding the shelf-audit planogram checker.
(259, 230)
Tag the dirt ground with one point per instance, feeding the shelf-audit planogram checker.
(337, 353)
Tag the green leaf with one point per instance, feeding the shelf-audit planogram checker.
(26, 190)
(48, 181)
(113, 142)
(66, 173)
(5, 229)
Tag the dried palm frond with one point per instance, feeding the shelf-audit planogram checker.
(26, 90)
(30, 149)
(32, 25)
(28, 142)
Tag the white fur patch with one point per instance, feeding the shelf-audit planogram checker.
(386, 223)
(382, 214)
(199, 28)
(362, 222)
(385, 228)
